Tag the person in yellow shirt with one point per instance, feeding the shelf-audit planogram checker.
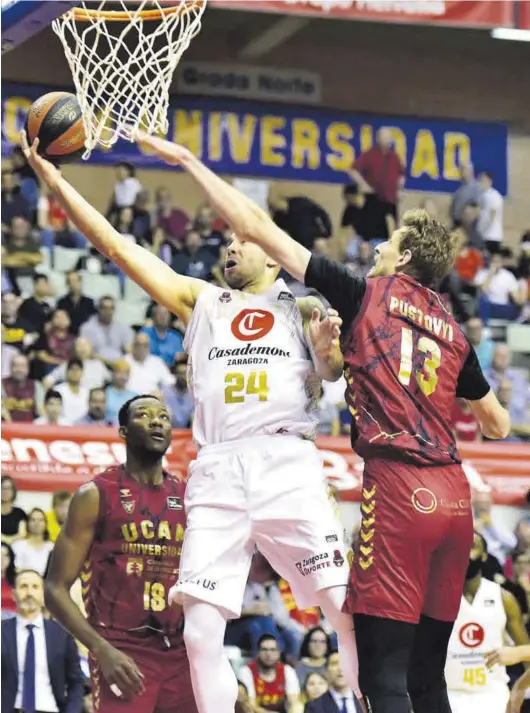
(56, 517)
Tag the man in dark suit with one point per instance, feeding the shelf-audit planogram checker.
(40, 661)
(339, 698)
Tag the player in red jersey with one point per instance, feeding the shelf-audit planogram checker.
(406, 359)
(123, 537)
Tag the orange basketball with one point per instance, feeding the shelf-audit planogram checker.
(55, 119)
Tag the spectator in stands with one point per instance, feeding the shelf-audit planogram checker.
(79, 307)
(18, 332)
(33, 551)
(95, 373)
(339, 698)
(40, 661)
(126, 189)
(53, 409)
(178, 399)
(465, 424)
(520, 422)
(522, 533)
(500, 369)
(217, 276)
(26, 178)
(164, 342)
(173, 221)
(21, 396)
(97, 410)
(9, 604)
(521, 571)
(51, 217)
(117, 391)
(14, 205)
(469, 259)
(469, 194)
(270, 684)
(499, 540)
(367, 217)
(125, 223)
(8, 354)
(9, 282)
(141, 228)
(314, 651)
(110, 339)
(67, 237)
(75, 396)
(363, 263)
(14, 519)
(490, 222)
(315, 685)
(36, 309)
(212, 239)
(301, 218)
(56, 517)
(482, 344)
(55, 346)
(22, 252)
(469, 224)
(328, 415)
(379, 170)
(148, 373)
(501, 295)
(195, 260)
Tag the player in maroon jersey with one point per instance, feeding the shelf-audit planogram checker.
(406, 359)
(123, 537)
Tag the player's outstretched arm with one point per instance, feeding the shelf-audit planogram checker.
(323, 331)
(244, 216)
(507, 656)
(514, 620)
(176, 292)
(518, 693)
(69, 555)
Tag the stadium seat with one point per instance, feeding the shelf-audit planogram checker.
(518, 338)
(97, 286)
(58, 282)
(46, 264)
(134, 293)
(130, 313)
(65, 259)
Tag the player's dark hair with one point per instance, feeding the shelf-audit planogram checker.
(266, 637)
(10, 572)
(131, 170)
(304, 648)
(432, 246)
(350, 189)
(52, 394)
(46, 533)
(5, 479)
(38, 276)
(124, 412)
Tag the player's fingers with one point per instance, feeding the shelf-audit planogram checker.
(136, 676)
(491, 658)
(24, 143)
(125, 683)
(315, 315)
(332, 312)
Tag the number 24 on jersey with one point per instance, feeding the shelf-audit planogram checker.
(238, 387)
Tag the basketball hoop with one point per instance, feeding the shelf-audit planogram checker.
(123, 60)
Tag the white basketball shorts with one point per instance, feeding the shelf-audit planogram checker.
(268, 491)
(490, 701)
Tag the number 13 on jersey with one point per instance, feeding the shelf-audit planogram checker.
(433, 356)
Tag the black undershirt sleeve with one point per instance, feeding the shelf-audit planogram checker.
(472, 384)
(337, 285)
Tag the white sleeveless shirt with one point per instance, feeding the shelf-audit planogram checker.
(479, 628)
(250, 368)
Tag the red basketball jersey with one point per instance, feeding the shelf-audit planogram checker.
(135, 559)
(403, 354)
(270, 694)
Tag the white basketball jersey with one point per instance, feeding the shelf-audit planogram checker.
(250, 367)
(479, 628)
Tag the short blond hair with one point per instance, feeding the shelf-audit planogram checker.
(433, 247)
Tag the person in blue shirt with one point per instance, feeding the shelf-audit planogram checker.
(483, 345)
(165, 342)
(117, 391)
(178, 399)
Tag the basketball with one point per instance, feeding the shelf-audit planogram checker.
(56, 120)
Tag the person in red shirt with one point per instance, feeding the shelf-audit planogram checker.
(469, 260)
(380, 170)
(123, 537)
(465, 424)
(406, 360)
(9, 603)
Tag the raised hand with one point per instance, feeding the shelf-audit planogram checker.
(169, 152)
(325, 333)
(43, 168)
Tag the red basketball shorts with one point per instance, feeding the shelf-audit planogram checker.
(413, 547)
(166, 680)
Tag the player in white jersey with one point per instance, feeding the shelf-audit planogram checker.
(486, 613)
(258, 478)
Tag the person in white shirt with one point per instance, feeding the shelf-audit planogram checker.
(53, 408)
(339, 698)
(270, 684)
(127, 187)
(502, 295)
(95, 373)
(75, 396)
(148, 372)
(33, 552)
(40, 661)
(490, 221)
(499, 540)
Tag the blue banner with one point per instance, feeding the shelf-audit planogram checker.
(298, 143)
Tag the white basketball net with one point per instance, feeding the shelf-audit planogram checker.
(123, 69)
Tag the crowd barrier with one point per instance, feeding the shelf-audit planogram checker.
(47, 458)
